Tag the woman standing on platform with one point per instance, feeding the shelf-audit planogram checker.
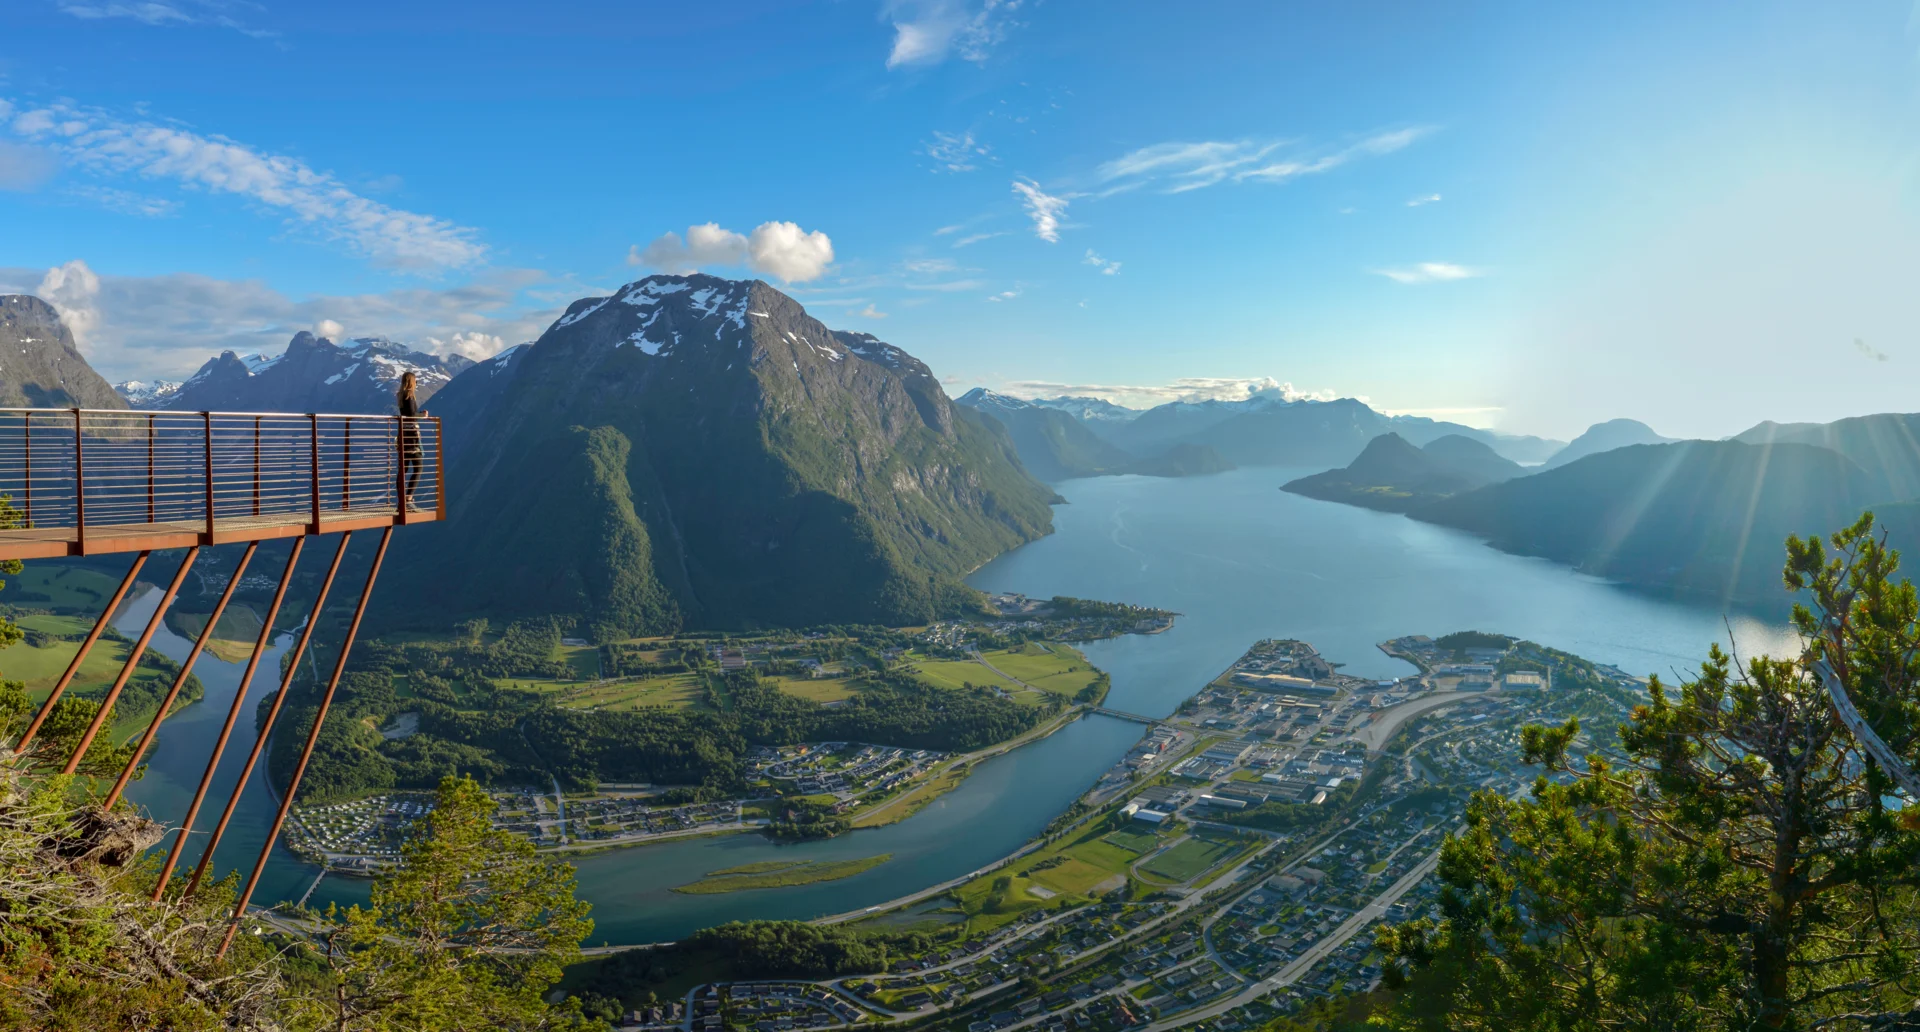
(412, 455)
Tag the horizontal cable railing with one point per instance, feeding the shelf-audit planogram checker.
(80, 474)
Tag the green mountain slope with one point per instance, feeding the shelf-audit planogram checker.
(701, 451)
(1394, 476)
(1694, 517)
(1886, 445)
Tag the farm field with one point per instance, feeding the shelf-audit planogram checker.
(670, 691)
(1191, 858)
(60, 587)
(1057, 669)
(820, 689)
(955, 674)
(1089, 862)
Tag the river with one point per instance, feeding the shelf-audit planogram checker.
(1239, 559)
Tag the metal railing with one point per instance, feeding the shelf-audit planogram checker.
(87, 481)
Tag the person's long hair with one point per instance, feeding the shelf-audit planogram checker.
(407, 385)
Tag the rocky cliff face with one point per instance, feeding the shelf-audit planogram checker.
(699, 450)
(39, 365)
(314, 375)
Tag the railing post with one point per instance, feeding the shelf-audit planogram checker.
(206, 427)
(439, 471)
(26, 431)
(400, 468)
(313, 426)
(79, 486)
(346, 469)
(149, 467)
(256, 465)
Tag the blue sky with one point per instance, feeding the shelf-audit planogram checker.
(1517, 215)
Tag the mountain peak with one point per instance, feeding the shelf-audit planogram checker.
(43, 367)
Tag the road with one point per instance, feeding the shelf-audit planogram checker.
(1313, 955)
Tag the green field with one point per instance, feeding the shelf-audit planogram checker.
(59, 587)
(1191, 858)
(1059, 669)
(1135, 838)
(775, 874)
(954, 674)
(821, 689)
(1090, 861)
(670, 691)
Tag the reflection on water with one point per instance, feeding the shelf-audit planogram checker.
(1238, 558)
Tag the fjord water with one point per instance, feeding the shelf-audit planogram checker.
(1239, 559)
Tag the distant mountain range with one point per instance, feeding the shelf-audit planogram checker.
(693, 450)
(1260, 431)
(1056, 444)
(39, 365)
(1614, 433)
(313, 375)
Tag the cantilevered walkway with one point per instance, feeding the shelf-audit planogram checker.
(82, 482)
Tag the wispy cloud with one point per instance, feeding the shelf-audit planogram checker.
(1043, 208)
(870, 312)
(1106, 267)
(1179, 166)
(1429, 272)
(1005, 295)
(24, 168)
(314, 201)
(1423, 200)
(126, 202)
(967, 241)
(1187, 389)
(948, 286)
(927, 32)
(931, 266)
(178, 12)
(955, 152)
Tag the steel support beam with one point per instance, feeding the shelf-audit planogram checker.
(80, 657)
(233, 717)
(133, 661)
(313, 737)
(273, 714)
(180, 681)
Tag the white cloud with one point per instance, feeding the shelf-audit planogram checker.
(468, 344)
(932, 266)
(1423, 200)
(146, 327)
(330, 330)
(967, 241)
(1106, 267)
(1044, 209)
(955, 152)
(787, 251)
(1429, 272)
(926, 32)
(1005, 295)
(153, 12)
(24, 168)
(870, 312)
(1181, 166)
(706, 244)
(1189, 389)
(779, 249)
(73, 289)
(316, 201)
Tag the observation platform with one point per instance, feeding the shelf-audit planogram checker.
(99, 481)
